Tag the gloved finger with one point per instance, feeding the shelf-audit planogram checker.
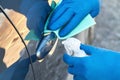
(95, 10)
(94, 13)
(70, 70)
(71, 61)
(90, 50)
(72, 24)
(68, 59)
(57, 13)
(62, 20)
(79, 77)
(78, 69)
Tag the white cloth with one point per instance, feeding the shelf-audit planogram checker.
(72, 46)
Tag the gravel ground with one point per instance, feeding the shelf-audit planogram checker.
(107, 30)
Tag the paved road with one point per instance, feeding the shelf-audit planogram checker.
(107, 30)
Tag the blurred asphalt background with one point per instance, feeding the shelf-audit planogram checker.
(107, 30)
(107, 35)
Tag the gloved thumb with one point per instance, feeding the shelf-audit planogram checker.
(90, 50)
(68, 59)
(71, 60)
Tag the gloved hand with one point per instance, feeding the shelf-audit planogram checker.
(18, 70)
(70, 12)
(36, 12)
(101, 64)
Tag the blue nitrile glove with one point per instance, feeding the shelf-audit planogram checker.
(18, 70)
(69, 14)
(101, 64)
(36, 12)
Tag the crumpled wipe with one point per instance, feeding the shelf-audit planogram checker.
(72, 47)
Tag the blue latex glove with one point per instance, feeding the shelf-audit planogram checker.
(36, 12)
(101, 64)
(70, 12)
(18, 70)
